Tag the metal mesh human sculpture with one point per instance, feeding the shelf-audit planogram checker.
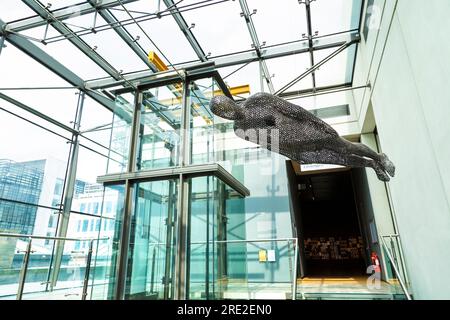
(302, 136)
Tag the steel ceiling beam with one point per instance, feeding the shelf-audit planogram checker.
(76, 41)
(123, 33)
(315, 67)
(256, 43)
(234, 59)
(310, 39)
(56, 67)
(63, 14)
(186, 30)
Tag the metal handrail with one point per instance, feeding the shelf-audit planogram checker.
(294, 240)
(402, 284)
(246, 241)
(18, 235)
(401, 254)
(26, 259)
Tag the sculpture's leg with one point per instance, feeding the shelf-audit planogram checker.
(362, 150)
(326, 156)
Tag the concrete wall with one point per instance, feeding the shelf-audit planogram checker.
(406, 61)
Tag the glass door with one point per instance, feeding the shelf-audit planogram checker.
(151, 254)
(208, 254)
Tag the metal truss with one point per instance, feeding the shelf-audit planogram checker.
(315, 67)
(65, 13)
(234, 59)
(186, 30)
(260, 53)
(77, 41)
(56, 67)
(256, 44)
(123, 33)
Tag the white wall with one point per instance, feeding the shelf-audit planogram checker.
(407, 62)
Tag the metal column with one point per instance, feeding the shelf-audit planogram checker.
(68, 194)
(310, 40)
(181, 277)
(23, 271)
(87, 271)
(121, 273)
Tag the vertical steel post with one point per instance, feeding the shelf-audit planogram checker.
(207, 239)
(121, 273)
(88, 270)
(294, 285)
(261, 76)
(171, 217)
(181, 277)
(23, 271)
(185, 151)
(68, 195)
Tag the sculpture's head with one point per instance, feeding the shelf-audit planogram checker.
(226, 108)
(254, 113)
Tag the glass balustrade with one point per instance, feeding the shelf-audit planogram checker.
(28, 272)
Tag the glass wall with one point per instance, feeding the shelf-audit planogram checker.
(207, 223)
(152, 241)
(35, 160)
(216, 214)
(159, 134)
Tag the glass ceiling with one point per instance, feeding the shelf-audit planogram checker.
(292, 34)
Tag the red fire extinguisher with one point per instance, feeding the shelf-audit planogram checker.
(375, 262)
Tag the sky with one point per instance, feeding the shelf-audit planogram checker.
(219, 29)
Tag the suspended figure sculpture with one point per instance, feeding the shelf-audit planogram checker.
(302, 136)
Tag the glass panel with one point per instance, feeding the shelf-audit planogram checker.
(69, 285)
(108, 133)
(224, 266)
(103, 267)
(60, 105)
(292, 15)
(159, 135)
(244, 74)
(152, 245)
(87, 197)
(10, 265)
(339, 70)
(110, 45)
(65, 52)
(259, 270)
(332, 108)
(204, 144)
(164, 32)
(207, 224)
(230, 34)
(96, 123)
(32, 173)
(14, 10)
(212, 138)
(335, 16)
(291, 67)
(63, 3)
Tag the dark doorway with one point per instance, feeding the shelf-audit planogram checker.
(327, 220)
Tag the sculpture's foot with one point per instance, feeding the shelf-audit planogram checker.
(388, 165)
(381, 174)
